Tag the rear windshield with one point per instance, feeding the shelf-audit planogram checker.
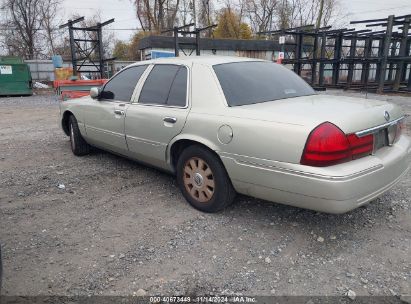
(254, 82)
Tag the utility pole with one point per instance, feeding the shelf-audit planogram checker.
(194, 14)
(320, 15)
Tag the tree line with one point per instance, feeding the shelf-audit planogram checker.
(29, 28)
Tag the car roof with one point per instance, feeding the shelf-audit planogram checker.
(207, 60)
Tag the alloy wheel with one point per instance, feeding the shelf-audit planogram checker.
(199, 179)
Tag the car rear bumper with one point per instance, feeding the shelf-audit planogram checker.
(334, 189)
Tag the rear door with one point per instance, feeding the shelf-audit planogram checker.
(160, 113)
(104, 118)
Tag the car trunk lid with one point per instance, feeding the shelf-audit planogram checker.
(350, 114)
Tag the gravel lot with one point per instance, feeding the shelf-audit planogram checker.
(118, 227)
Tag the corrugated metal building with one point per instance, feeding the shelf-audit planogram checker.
(262, 49)
(43, 70)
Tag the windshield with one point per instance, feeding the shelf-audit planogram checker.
(258, 81)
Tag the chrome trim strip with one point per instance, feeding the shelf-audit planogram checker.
(311, 175)
(298, 172)
(88, 127)
(145, 141)
(377, 128)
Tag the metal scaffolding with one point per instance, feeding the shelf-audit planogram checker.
(87, 54)
(378, 60)
(185, 30)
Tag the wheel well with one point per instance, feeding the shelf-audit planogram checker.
(182, 144)
(65, 122)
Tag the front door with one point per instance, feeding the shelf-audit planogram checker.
(104, 118)
(159, 115)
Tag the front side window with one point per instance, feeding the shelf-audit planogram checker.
(121, 86)
(258, 81)
(166, 85)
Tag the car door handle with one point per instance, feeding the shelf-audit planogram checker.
(170, 119)
(119, 112)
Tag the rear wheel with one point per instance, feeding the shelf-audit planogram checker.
(78, 145)
(203, 180)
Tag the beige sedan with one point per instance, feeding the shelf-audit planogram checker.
(227, 125)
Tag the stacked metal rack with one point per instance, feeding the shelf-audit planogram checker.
(87, 53)
(185, 30)
(364, 59)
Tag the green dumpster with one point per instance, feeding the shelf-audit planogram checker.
(15, 77)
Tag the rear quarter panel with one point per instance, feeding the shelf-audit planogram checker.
(252, 140)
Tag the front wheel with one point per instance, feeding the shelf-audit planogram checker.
(203, 180)
(78, 145)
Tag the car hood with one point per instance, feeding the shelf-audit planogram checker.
(350, 114)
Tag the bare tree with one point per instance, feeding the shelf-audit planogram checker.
(184, 14)
(320, 14)
(29, 27)
(266, 15)
(206, 16)
(156, 15)
(49, 21)
(303, 12)
(22, 27)
(204, 12)
(333, 14)
(260, 13)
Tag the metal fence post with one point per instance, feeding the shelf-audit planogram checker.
(176, 46)
(385, 50)
(100, 49)
(72, 47)
(351, 64)
(402, 65)
(337, 58)
(322, 55)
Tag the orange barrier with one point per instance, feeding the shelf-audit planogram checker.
(73, 94)
(62, 83)
(69, 89)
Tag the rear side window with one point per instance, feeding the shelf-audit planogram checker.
(258, 81)
(121, 86)
(178, 91)
(166, 85)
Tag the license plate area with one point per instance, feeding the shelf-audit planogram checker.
(381, 139)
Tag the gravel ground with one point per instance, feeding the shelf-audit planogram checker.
(118, 228)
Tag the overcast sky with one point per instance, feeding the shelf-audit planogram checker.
(125, 18)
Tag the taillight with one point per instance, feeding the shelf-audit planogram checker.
(361, 146)
(328, 145)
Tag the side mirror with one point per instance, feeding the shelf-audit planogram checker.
(95, 93)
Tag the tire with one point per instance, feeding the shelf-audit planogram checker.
(203, 180)
(78, 145)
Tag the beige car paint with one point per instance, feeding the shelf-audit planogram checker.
(262, 159)
(104, 124)
(147, 134)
